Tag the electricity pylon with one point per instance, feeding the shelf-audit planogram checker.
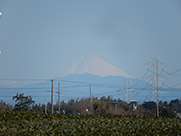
(154, 68)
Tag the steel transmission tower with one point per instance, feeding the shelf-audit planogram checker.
(154, 68)
(127, 90)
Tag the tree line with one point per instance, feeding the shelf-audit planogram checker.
(103, 105)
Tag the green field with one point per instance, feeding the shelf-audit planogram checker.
(56, 124)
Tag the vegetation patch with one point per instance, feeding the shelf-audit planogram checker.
(12, 123)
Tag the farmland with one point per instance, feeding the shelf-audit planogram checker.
(12, 123)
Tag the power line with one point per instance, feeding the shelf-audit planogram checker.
(74, 86)
(15, 79)
(140, 79)
(172, 73)
(105, 93)
(172, 87)
(10, 88)
(88, 83)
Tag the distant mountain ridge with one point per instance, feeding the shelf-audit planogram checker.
(77, 86)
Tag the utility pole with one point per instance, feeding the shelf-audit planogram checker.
(91, 92)
(52, 90)
(58, 97)
(45, 105)
(91, 98)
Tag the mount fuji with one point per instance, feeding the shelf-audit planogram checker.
(96, 66)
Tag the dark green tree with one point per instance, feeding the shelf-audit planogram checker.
(176, 105)
(166, 110)
(23, 103)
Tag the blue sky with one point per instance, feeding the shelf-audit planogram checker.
(40, 37)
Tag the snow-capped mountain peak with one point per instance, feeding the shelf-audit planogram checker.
(97, 66)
